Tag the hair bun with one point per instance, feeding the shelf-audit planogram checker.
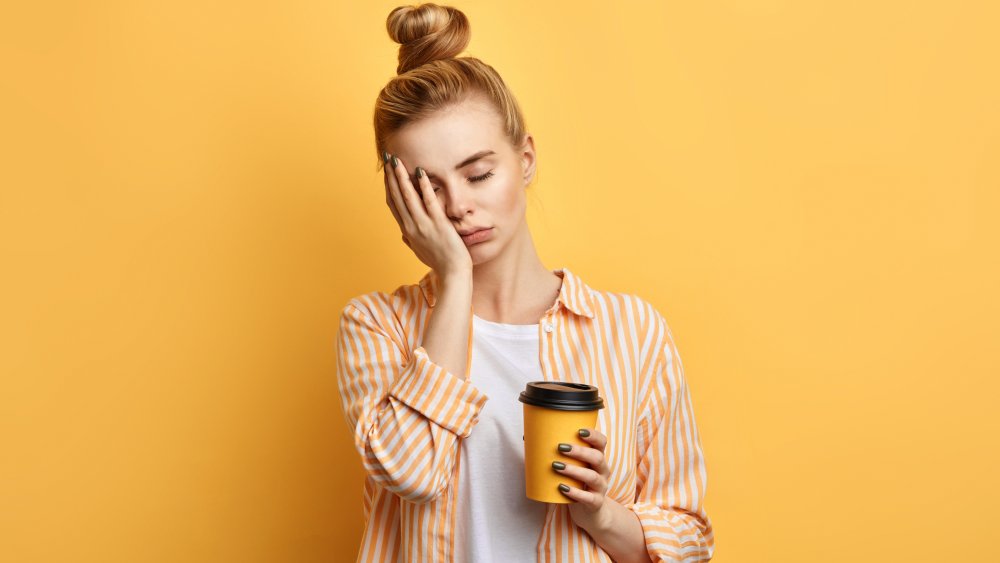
(427, 32)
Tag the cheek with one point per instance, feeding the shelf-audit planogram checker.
(513, 199)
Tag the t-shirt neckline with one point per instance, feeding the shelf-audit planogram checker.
(504, 329)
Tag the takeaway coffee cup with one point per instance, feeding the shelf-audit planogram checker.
(554, 411)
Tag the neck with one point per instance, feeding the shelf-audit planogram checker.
(515, 287)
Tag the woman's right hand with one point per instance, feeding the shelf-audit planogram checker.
(425, 226)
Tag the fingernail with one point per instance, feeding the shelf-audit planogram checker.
(420, 172)
(584, 432)
(559, 465)
(395, 161)
(563, 488)
(565, 447)
(385, 156)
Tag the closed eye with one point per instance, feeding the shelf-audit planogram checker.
(475, 178)
(481, 178)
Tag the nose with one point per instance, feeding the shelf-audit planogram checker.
(458, 203)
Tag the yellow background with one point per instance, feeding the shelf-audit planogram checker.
(808, 191)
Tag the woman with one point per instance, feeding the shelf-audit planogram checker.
(430, 374)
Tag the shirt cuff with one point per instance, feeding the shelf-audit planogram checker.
(451, 402)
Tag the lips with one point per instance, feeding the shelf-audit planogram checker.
(477, 236)
(472, 230)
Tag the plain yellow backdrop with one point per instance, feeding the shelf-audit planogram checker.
(808, 191)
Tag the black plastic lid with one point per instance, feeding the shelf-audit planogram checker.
(561, 395)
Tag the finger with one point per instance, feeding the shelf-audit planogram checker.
(592, 479)
(413, 203)
(590, 456)
(390, 203)
(581, 496)
(392, 196)
(405, 220)
(431, 203)
(595, 438)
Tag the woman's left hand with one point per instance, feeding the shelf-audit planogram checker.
(589, 507)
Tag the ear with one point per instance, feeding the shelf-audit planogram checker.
(527, 155)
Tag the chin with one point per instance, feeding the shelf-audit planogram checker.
(480, 253)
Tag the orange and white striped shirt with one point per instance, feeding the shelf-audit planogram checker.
(409, 416)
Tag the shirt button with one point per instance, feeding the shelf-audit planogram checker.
(549, 327)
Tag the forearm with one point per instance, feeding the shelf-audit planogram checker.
(620, 534)
(446, 339)
(406, 440)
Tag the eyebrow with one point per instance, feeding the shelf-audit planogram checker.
(460, 165)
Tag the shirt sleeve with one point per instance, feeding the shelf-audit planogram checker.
(671, 476)
(405, 411)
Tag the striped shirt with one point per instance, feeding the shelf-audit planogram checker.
(409, 415)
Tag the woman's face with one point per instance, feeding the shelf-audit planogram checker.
(478, 178)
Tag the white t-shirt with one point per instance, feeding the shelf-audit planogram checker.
(495, 521)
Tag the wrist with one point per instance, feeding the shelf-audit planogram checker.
(456, 278)
(618, 531)
(604, 519)
(598, 523)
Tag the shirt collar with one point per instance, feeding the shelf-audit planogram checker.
(574, 294)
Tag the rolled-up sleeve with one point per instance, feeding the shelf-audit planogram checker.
(405, 411)
(671, 475)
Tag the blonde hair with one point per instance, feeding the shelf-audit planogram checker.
(429, 76)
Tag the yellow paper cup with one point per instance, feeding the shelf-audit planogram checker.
(554, 411)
